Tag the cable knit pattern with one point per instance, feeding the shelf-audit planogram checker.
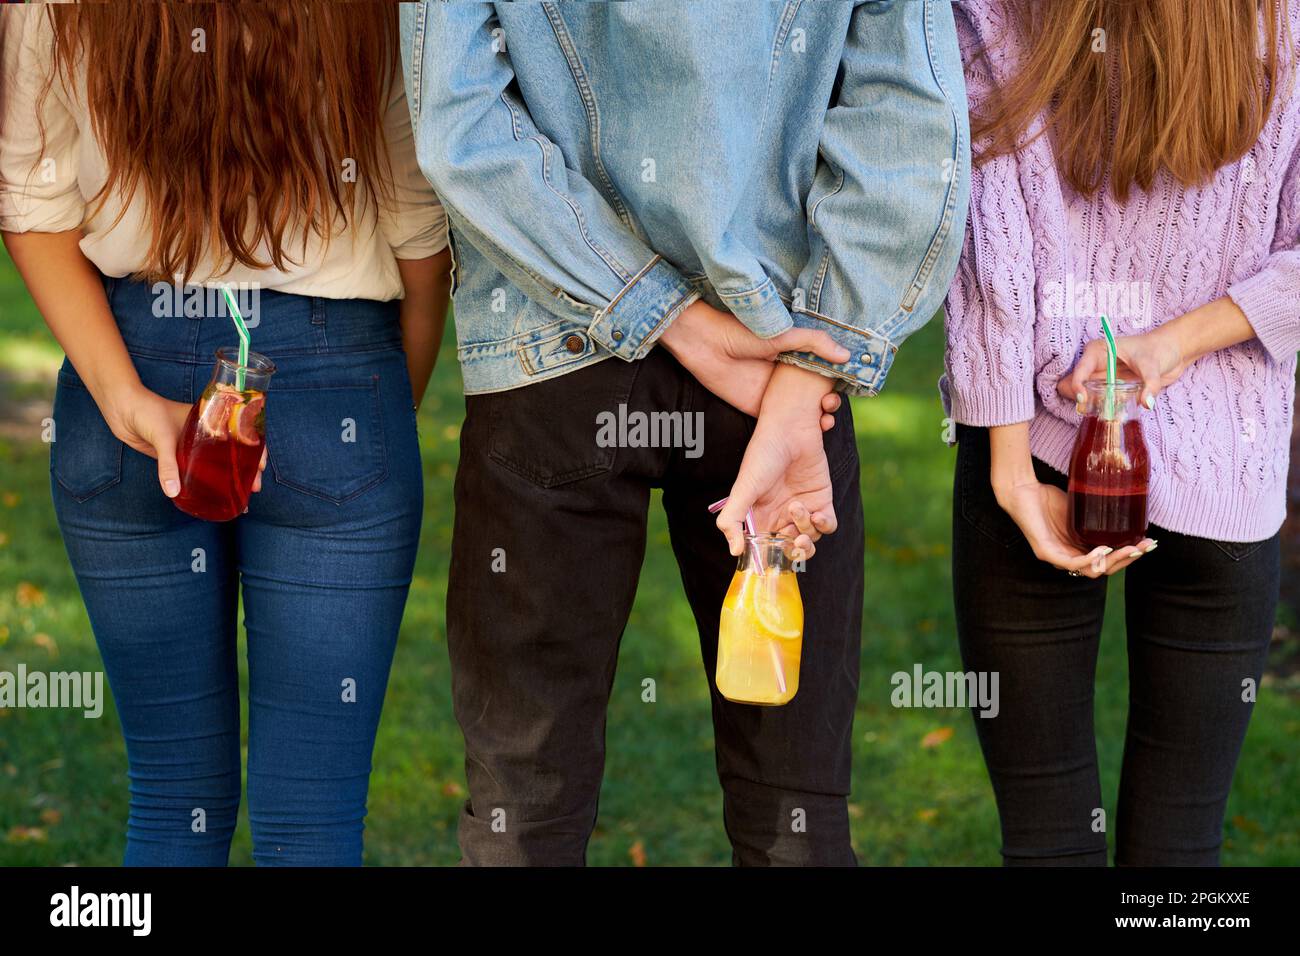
(1041, 262)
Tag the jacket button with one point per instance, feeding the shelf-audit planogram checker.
(617, 336)
(573, 343)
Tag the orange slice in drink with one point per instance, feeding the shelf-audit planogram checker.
(214, 417)
(246, 419)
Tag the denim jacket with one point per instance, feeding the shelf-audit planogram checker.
(603, 165)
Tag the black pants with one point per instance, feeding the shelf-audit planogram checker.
(1199, 616)
(534, 642)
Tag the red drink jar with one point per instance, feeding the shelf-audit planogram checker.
(1110, 469)
(221, 446)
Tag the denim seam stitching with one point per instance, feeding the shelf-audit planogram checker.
(380, 442)
(454, 215)
(116, 478)
(940, 237)
(819, 279)
(588, 97)
(782, 32)
(417, 56)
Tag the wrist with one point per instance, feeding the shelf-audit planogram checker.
(1171, 339)
(1011, 463)
(796, 390)
(117, 400)
(793, 399)
(1005, 480)
(684, 327)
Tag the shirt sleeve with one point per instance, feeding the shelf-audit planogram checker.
(990, 306)
(509, 190)
(412, 221)
(889, 201)
(1271, 297)
(39, 189)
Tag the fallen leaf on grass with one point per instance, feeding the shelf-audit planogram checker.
(452, 789)
(927, 815)
(637, 853)
(936, 737)
(26, 835)
(29, 595)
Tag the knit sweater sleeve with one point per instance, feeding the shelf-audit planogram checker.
(1271, 297)
(990, 307)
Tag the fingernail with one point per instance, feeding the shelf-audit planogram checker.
(1150, 401)
(171, 488)
(1152, 546)
(1106, 550)
(1080, 398)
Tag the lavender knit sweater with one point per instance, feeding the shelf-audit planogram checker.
(1040, 262)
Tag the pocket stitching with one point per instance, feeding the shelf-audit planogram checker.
(966, 480)
(563, 478)
(381, 442)
(71, 380)
(1253, 547)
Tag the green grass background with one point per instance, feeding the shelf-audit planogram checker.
(63, 785)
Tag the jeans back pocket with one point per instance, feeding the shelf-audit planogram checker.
(547, 432)
(1240, 550)
(327, 440)
(973, 495)
(85, 455)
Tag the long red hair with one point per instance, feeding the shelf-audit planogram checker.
(236, 123)
(1192, 89)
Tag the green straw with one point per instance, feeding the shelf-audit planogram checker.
(1112, 357)
(242, 328)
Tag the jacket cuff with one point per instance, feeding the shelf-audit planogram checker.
(870, 358)
(761, 310)
(638, 315)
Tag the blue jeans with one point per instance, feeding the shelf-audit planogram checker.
(323, 560)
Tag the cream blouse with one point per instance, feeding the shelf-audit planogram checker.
(47, 190)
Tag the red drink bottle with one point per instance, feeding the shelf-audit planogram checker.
(221, 445)
(1109, 469)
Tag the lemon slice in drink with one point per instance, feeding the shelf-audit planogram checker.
(777, 606)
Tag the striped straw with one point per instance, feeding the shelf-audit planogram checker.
(242, 329)
(1112, 359)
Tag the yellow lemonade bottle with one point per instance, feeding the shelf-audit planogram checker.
(760, 635)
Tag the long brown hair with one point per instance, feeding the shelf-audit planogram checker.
(1191, 88)
(235, 122)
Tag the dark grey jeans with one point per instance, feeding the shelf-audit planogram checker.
(1199, 615)
(533, 647)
